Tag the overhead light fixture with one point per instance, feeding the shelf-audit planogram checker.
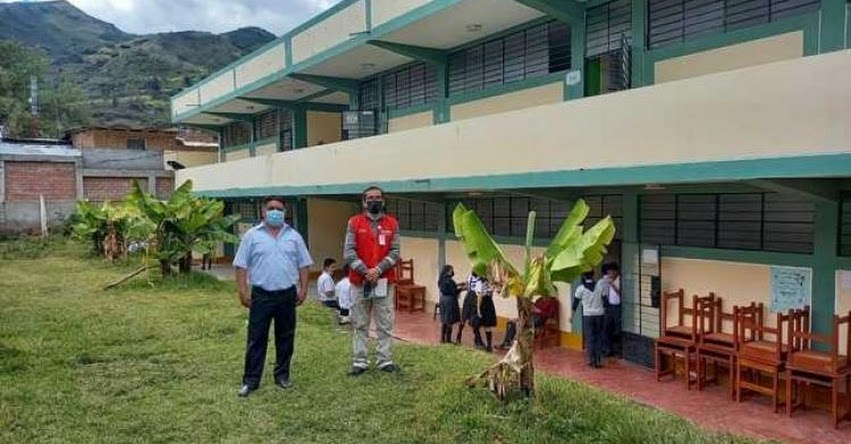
(367, 66)
(473, 27)
(475, 194)
(653, 187)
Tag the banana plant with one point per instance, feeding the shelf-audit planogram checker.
(108, 227)
(181, 225)
(571, 252)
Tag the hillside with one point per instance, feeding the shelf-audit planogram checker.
(127, 78)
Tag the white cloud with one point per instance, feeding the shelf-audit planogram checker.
(149, 16)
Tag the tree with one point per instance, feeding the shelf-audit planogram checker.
(182, 224)
(62, 106)
(572, 252)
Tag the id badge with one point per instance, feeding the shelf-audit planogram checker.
(382, 239)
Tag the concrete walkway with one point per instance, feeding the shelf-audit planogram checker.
(711, 408)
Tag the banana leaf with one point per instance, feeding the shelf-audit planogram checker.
(585, 253)
(485, 255)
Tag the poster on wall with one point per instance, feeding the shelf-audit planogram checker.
(790, 288)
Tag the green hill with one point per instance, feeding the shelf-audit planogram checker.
(126, 78)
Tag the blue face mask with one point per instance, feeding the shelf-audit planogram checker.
(275, 218)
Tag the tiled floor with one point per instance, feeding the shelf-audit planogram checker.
(711, 408)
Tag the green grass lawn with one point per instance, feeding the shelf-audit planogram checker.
(163, 364)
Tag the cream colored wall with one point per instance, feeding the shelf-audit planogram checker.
(676, 122)
(426, 269)
(191, 159)
(185, 102)
(269, 62)
(323, 127)
(263, 150)
(385, 10)
(235, 155)
(411, 121)
(330, 32)
(735, 283)
(755, 52)
(542, 95)
(216, 87)
(843, 299)
(327, 228)
(507, 307)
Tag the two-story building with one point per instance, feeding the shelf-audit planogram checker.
(716, 132)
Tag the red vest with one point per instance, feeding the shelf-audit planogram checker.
(368, 244)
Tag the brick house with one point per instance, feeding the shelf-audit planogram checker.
(188, 148)
(61, 174)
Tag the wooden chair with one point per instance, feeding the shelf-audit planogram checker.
(759, 355)
(549, 333)
(714, 343)
(678, 340)
(409, 295)
(828, 368)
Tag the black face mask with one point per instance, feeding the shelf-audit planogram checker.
(374, 206)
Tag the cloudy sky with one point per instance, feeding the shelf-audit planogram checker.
(147, 16)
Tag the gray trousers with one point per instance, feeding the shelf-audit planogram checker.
(362, 312)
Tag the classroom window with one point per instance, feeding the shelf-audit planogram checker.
(236, 134)
(266, 125)
(748, 221)
(533, 52)
(677, 21)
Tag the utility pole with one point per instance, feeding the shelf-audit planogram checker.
(33, 106)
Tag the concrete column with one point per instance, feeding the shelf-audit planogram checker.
(2, 182)
(152, 185)
(78, 170)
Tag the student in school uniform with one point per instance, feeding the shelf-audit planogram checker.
(588, 294)
(450, 313)
(342, 290)
(487, 311)
(610, 288)
(470, 311)
(325, 284)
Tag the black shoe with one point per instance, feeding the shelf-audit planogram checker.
(245, 391)
(357, 371)
(390, 368)
(284, 383)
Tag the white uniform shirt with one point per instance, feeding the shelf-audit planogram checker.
(592, 301)
(342, 291)
(325, 287)
(614, 294)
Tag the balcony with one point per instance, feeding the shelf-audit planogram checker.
(783, 119)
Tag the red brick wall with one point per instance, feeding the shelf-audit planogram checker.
(25, 181)
(165, 186)
(99, 189)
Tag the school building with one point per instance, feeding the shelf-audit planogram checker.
(717, 133)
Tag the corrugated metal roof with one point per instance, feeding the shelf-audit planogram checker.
(36, 149)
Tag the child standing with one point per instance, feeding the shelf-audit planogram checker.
(589, 295)
(344, 298)
(470, 311)
(450, 314)
(487, 312)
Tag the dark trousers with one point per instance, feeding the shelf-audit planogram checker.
(593, 331)
(335, 305)
(266, 306)
(611, 341)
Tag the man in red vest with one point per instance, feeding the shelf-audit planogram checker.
(372, 252)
